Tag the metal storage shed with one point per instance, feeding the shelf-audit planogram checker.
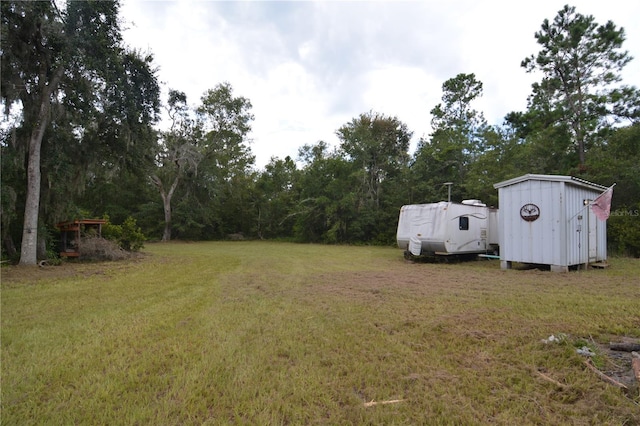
(547, 219)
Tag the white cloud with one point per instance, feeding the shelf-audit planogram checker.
(310, 67)
(402, 92)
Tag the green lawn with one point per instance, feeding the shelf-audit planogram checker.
(277, 333)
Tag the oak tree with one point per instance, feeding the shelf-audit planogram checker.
(75, 86)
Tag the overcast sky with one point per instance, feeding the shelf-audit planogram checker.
(310, 67)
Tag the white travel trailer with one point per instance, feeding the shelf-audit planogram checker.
(448, 228)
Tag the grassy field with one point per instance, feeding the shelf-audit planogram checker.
(276, 333)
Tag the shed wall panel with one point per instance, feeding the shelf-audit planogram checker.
(536, 241)
(580, 220)
(578, 226)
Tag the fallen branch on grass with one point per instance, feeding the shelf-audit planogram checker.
(391, 401)
(635, 364)
(624, 346)
(603, 376)
(549, 379)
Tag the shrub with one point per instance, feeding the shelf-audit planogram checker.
(128, 236)
(51, 239)
(623, 229)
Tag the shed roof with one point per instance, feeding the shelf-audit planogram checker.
(551, 178)
(81, 222)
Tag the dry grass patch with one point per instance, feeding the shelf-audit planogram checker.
(268, 333)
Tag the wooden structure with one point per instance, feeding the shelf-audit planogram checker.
(71, 231)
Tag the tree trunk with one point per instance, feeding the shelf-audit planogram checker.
(581, 149)
(29, 247)
(41, 252)
(166, 202)
(9, 246)
(167, 209)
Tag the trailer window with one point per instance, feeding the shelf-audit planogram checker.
(464, 223)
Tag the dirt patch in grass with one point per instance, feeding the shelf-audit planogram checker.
(617, 364)
(16, 274)
(466, 309)
(13, 275)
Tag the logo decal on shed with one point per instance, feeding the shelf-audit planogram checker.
(529, 212)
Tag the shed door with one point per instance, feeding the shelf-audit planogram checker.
(593, 236)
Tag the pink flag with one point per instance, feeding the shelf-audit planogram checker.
(601, 206)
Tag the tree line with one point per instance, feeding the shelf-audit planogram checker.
(81, 140)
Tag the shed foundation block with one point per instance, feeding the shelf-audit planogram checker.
(559, 268)
(505, 264)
